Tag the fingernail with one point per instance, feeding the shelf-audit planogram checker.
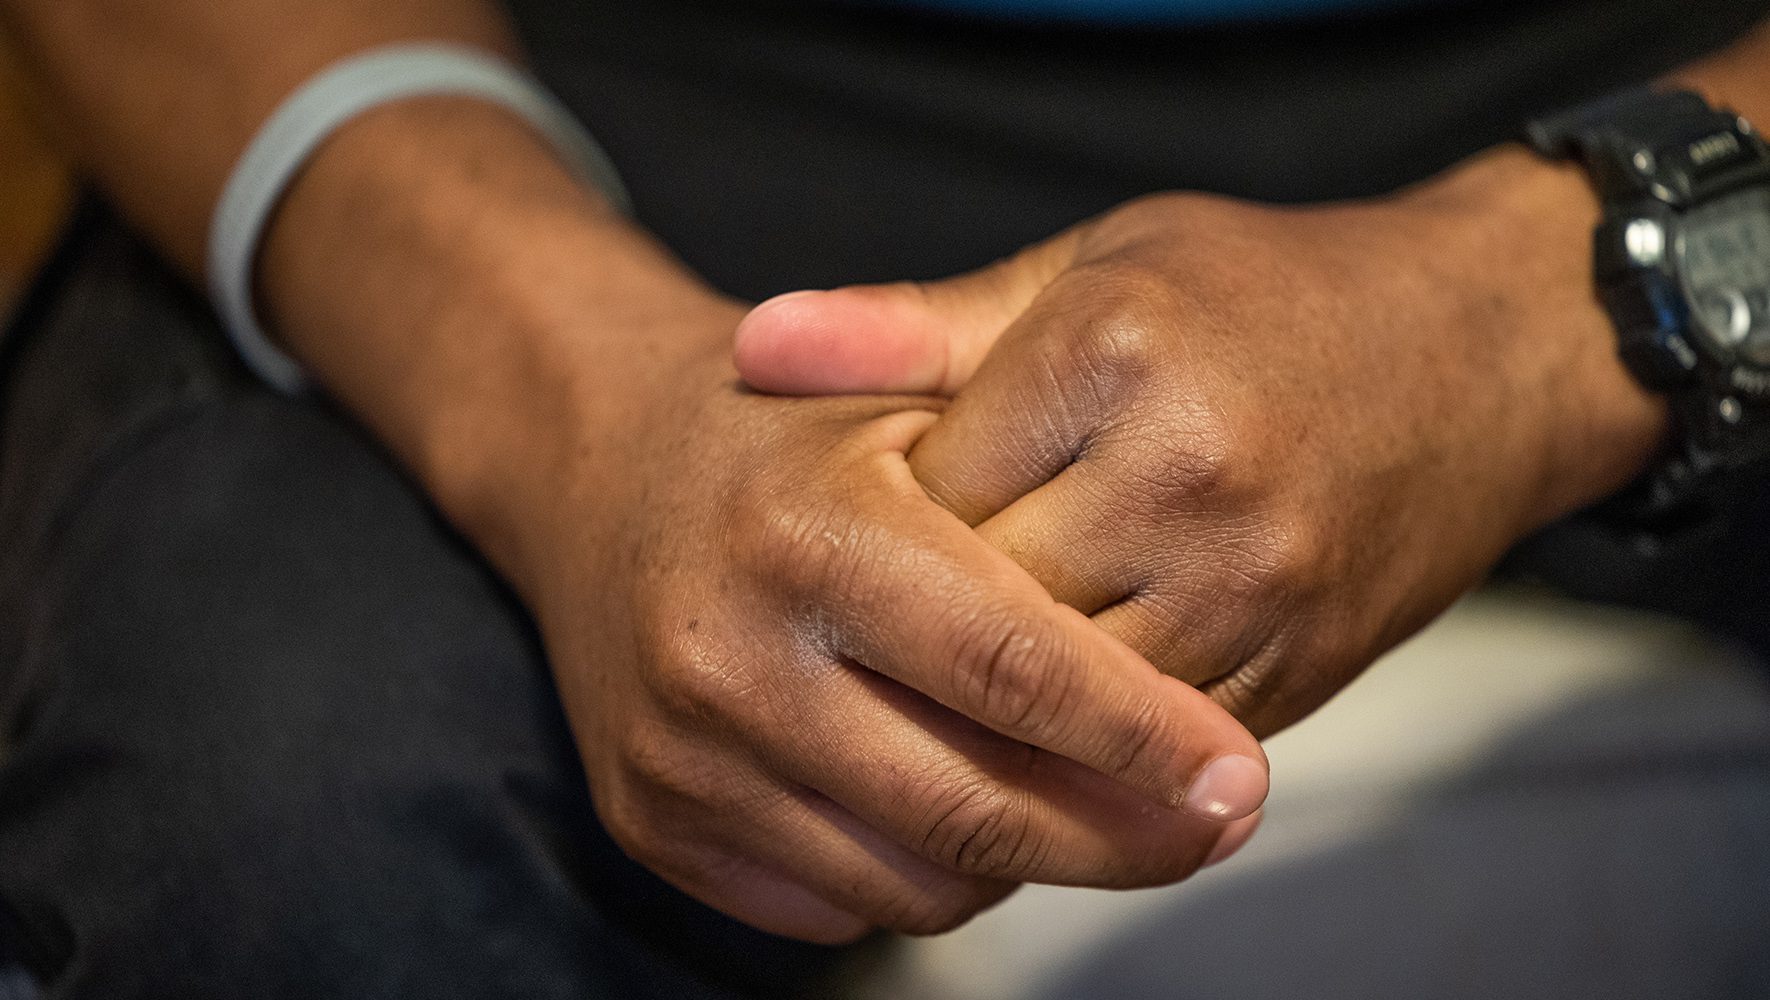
(1229, 788)
(747, 326)
(1234, 837)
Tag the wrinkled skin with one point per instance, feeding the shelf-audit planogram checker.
(811, 697)
(1260, 446)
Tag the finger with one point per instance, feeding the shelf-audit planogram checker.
(1192, 594)
(760, 896)
(854, 866)
(768, 852)
(973, 801)
(1051, 386)
(928, 603)
(1194, 630)
(907, 337)
(1115, 536)
(1235, 836)
(1205, 614)
(1089, 538)
(825, 850)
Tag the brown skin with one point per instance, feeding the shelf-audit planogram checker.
(802, 691)
(1262, 445)
(555, 381)
(711, 568)
(1259, 445)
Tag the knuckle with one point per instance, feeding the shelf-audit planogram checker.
(1009, 675)
(1144, 744)
(1201, 461)
(1264, 550)
(1272, 573)
(692, 674)
(1256, 693)
(979, 830)
(1128, 328)
(1297, 548)
(1255, 562)
(1284, 678)
(784, 535)
(1203, 620)
(1240, 691)
(1186, 464)
(657, 761)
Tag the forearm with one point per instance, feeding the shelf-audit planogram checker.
(448, 280)
(434, 263)
(1737, 77)
(1526, 270)
(157, 100)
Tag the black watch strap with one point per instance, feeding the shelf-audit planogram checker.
(1668, 145)
(1652, 152)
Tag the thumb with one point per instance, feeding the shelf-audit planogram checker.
(907, 337)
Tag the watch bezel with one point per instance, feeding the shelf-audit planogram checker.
(1721, 348)
(1644, 289)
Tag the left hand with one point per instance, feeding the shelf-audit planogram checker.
(1259, 445)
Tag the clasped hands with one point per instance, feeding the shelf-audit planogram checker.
(1012, 597)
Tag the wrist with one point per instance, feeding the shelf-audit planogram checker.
(448, 280)
(1580, 425)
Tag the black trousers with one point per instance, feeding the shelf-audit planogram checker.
(271, 730)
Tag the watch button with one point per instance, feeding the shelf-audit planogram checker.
(1645, 240)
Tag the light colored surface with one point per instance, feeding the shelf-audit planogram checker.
(1424, 715)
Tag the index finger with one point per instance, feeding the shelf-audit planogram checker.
(934, 607)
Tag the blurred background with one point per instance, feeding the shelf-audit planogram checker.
(1534, 798)
(34, 188)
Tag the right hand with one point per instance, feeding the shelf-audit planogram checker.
(809, 696)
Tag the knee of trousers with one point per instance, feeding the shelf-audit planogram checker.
(280, 733)
(276, 732)
(260, 709)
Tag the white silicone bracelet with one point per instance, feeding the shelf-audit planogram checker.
(318, 108)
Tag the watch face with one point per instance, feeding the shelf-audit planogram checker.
(1724, 260)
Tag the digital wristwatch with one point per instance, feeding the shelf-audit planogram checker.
(1683, 268)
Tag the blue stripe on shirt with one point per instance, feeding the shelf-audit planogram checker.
(1146, 11)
